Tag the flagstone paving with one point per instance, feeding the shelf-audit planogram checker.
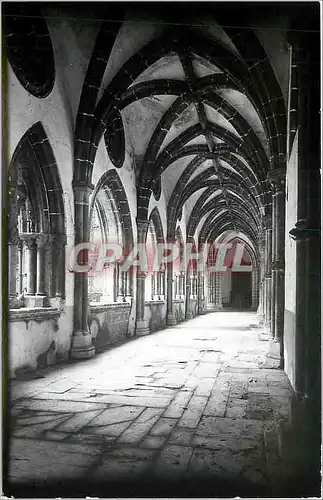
(194, 407)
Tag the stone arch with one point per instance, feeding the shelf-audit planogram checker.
(36, 222)
(113, 183)
(110, 206)
(156, 219)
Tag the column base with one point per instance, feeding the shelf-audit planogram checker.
(201, 306)
(261, 319)
(267, 328)
(299, 440)
(35, 300)
(171, 320)
(274, 352)
(82, 347)
(13, 302)
(141, 329)
(189, 315)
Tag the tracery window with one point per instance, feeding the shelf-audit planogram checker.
(155, 282)
(111, 284)
(179, 268)
(192, 275)
(36, 237)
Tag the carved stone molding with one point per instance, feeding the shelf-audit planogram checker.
(267, 222)
(34, 314)
(301, 231)
(277, 179)
(29, 240)
(58, 240)
(278, 265)
(43, 240)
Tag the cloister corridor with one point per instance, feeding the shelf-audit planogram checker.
(189, 411)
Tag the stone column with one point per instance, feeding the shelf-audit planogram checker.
(82, 346)
(260, 307)
(189, 283)
(12, 275)
(200, 281)
(307, 230)
(277, 180)
(200, 292)
(211, 291)
(58, 242)
(20, 264)
(41, 241)
(32, 264)
(141, 326)
(218, 291)
(268, 273)
(13, 240)
(121, 284)
(254, 287)
(170, 319)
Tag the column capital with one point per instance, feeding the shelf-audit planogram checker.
(141, 275)
(82, 191)
(82, 186)
(42, 240)
(171, 239)
(29, 240)
(58, 239)
(277, 179)
(301, 231)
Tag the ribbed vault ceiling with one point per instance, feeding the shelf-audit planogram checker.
(201, 111)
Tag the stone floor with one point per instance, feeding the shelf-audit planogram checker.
(192, 410)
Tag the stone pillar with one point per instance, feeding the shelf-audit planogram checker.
(13, 240)
(121, 284)
(307, 230)
(20, 264)
(267, 276)
(12, 277)
(254, 287)
(189, 283)
(142, 327)
(277, 180)
(171, 320)
(200, 292)
(58, 242)
(218, 291)
(32, 264)
(200, 281)
(41, 241)
(211, 291)
(260, 306)
(82, 346)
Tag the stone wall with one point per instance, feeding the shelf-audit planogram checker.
(109, 323)
(155, 315)
(38, 337)
(179, 310)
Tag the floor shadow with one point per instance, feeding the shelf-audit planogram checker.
(193, 486)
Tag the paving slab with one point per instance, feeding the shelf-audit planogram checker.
(196, 400)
